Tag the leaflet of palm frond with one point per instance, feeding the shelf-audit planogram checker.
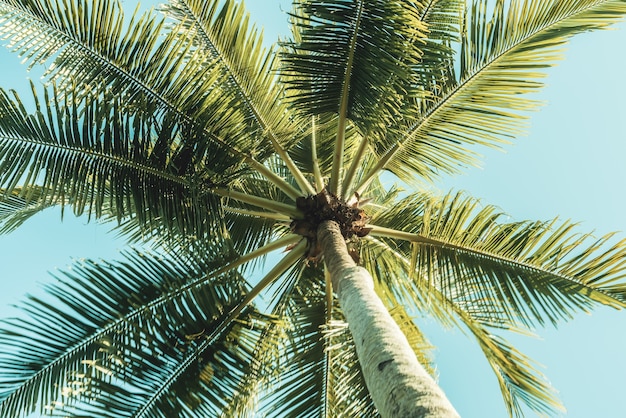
(24, 203)
(222, 30)
(443, 20)
(249, 232)
(518, 376)
(300, 389)
(265, 370)
(503, 57)
(332, 384)
(19, 206)
(514, 274)
(353, 58)
(128, 322)
(85, 152)
(156, 72)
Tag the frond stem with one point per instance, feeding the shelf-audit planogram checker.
(273, 178)
(292, 256)
(303, 183)
(258, 214)
(319, 180)
(357, 160)
(335, 176)
(380, 165)
(261, 202)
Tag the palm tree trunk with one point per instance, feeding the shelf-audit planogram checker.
(399, 385)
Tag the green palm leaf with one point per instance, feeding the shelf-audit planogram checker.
(353, 59)
(465, 268)
(443, 19)
(515, 274)
(224, 33)
(501, 58)
(299, 388)
(85, 152)
(146, 361)
(334, 63)
(169, 78)
(16, 209)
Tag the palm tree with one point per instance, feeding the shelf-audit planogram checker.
(214, 155)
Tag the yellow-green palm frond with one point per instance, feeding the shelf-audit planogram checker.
(297, 390)
(138, 345)
(223, 32)
(19, 206)
(512, 273)
(502, 53)
(155, 72)
(82, 151)
(352, 58)
(518, 376)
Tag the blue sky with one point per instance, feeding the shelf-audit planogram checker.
(571, 164)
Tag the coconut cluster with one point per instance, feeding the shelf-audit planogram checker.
(325, 206)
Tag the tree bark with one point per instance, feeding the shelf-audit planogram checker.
(398, 384)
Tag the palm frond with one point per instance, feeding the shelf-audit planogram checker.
(266, 369)
(354, 54)
(222, 30)
(514, 274)
(502, 55)
(156, 360)
(246, 85)
(518, 376)
(155, 73)
(84, 152)
(18, 207)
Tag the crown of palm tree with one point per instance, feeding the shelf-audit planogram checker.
(214, 152)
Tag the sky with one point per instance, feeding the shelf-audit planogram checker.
(570, 164)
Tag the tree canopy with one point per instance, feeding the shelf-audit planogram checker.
(210, 152)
